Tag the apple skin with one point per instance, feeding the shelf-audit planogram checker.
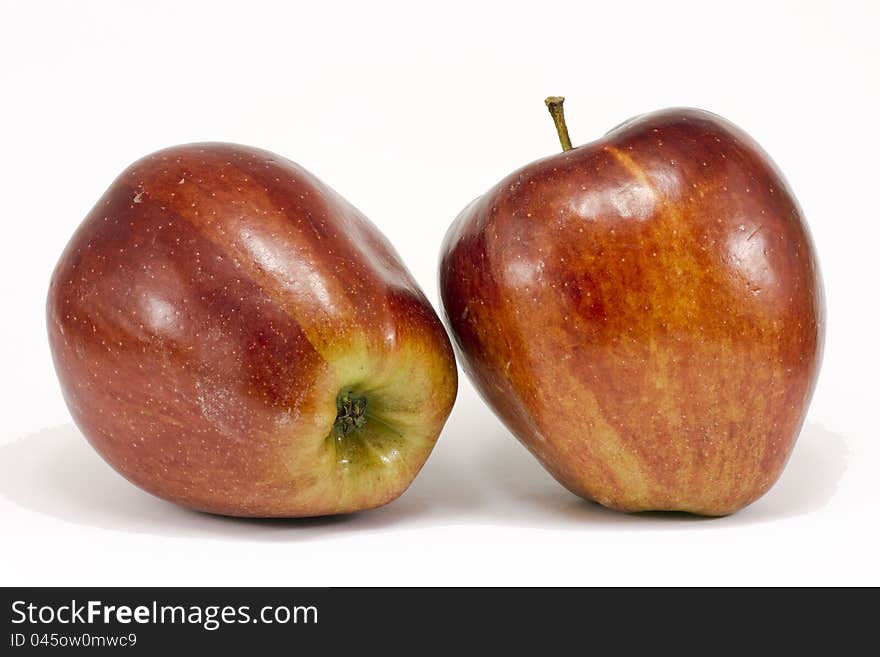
(205, 319)
(644, 312)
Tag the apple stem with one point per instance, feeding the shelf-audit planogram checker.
(554, 104)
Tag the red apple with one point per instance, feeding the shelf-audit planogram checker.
(233, 336)
(644, 313)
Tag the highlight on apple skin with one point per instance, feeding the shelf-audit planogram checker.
(644, 312)
(233, 336)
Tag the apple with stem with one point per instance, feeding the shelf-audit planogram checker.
(644, 312)
(233, 336)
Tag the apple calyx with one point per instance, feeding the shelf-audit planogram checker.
(554, 104)
(351, 412)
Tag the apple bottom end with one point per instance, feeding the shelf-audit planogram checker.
(696, 503)
(665, 508)
(304, 515)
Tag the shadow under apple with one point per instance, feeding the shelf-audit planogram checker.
(57, 473)
(472, 479)
(807, 484)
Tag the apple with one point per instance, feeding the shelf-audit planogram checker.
(644, 312)
(233, 336)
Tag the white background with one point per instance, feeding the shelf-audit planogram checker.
(410, 111)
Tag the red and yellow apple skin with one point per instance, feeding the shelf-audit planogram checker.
(644, 312)
(208, 319)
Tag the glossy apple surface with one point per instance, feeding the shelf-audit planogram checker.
(233, 336)
(644, 313)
